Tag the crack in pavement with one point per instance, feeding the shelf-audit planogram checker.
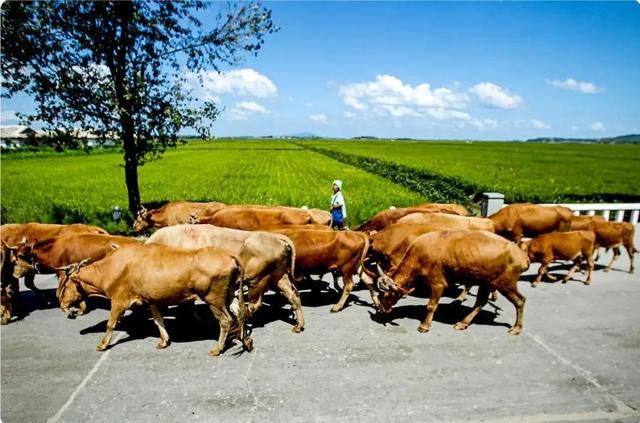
(56, 417)
(622, 408)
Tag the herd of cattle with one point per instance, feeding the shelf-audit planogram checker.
(211, 251)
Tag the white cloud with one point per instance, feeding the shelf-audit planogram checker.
(538, 124)
(596, 126)
(572, 84)
(243, 109)
(349, 114)
(8, 116)
(251, 106)
(483, 124)
(448, 114)
(493, 95)
(389, 96)
(245, 82)
(318, 118)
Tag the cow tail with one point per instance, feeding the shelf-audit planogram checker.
(292, 259)
(365, 251)
(242, 323)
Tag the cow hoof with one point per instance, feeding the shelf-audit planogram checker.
(4, 321)
(423, 329)
(101, 348)
(248, 344)
(214, 352)
(297, 329)
(533, 285)
(460, 326)
(564, 281)
(514, 331)
(335, 309)
(587, 282)
(606, 270)
(162, 345)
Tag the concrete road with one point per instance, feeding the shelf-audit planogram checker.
(578, 359)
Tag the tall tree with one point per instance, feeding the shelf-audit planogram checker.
(121, 67)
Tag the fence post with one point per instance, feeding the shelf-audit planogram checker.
(491, 203)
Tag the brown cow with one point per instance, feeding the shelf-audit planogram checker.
(160, 275)
(449, 221)
(614, 235)
(389, 245)
(580, 223)
(14, 233)
(573, 245)
(390, 216)
(9, 304)
(174, 213)
(45, 257)
(336, 252)
(252, 218)
(266, 258)
(516, 221)
(438, 259)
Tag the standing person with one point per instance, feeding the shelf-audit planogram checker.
(338, 208)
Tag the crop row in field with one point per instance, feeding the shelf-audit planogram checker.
(84, 188)
(522, 171)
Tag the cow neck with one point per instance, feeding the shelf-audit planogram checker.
(42, 255)
(403, 274)
(90, 277)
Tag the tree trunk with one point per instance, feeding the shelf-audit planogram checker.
(131, 174)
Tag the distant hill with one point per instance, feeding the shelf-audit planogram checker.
(622, 139)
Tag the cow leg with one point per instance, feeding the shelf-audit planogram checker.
(481, 300)
(291, 293)
(630, 250)
(591, 265)
(114, 316)
(494, 296)
(518, 300)
(616, 254)
(224, 320)
(576, 265)
(28, 282)
(347, 280)
(437, 288)
(335, 281)
(463, 294)
(159, 321)
(372, 290)
(542, 271)
(256, 292)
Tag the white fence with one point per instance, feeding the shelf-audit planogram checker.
(618, 212)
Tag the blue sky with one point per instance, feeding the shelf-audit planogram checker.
(456, 70)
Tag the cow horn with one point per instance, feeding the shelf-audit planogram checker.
(382, 286)
(24, 240)
(12, 248)
(380, 272)
(142, 211)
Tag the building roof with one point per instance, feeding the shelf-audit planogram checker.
(15, 131)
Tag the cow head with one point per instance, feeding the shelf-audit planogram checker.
(143, 220)
(23, 259)
(70, 293)
(391, 292)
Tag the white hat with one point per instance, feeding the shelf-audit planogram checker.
(338, 183)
